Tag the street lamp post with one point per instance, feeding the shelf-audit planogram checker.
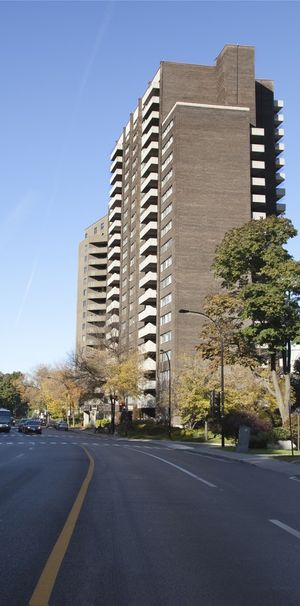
(165, 353)
(221, 336)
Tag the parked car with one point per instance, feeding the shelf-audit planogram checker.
(32, 426)
(62, 425)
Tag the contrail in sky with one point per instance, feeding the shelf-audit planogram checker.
(110, 6)
(27, 290)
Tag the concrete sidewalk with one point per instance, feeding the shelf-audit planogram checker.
(263, 461)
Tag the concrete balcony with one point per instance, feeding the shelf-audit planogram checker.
(116, 189)
(150, 152)
(96, 296)
(95, 284)
(114, 227)
(258, 182)
(278, 133)
(278, 105)
(257, 166)
(150, 182)
(101, 251)
(147, 331)
(113, 320)
(113, 280)
(149, 263)
(149, 314)
(280, 162)
(257, 132)
(115, 201)
(280, 208)
(115, 213)
(280, 192)
(149, 214)
(151, 166)
(258, 199)
(100, 273)
(147, 348)
(257, 148)
(113, 306)
(116, 176)
(279, 148)
(152, 120)
(117, 152)
(96, 307)
(151, 135)
(149, 247)
(148, 297)
(95, 318)
(117, 163)
(149, 386)
(278, 119)
(114, 240)
(149, 198)
(113, 293)
(149, 280)
(148, 365)
(280, 177)
(114, 253)
(149, 231)
(113, 266)
(152, 105)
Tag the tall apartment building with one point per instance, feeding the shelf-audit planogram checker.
(91, 287)
(200, 155)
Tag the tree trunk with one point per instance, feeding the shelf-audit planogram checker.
(282, 401)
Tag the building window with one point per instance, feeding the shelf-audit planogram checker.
(167, 194)
(165, 356)
(83, 326)
(164, 377)
(95, 230)
(166, 318)
(102, 226)
(166, 228)
(167, 177)
(166, 245)
(166, 211)
(84, 292)
(167, 145)
(166, 281)
(165, 337)
(86, 235)
(166, 264)
(168, 128)
(166, 300)
(167, 161)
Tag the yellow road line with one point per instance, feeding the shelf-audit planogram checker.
(44, 587)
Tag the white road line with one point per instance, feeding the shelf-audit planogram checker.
(188, 473)
(296, 478)
(207, 456)
(52, 442)
(283, 526)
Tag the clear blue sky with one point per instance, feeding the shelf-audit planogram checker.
(71, 72)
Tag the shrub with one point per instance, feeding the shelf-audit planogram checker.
(235, 418)
(279, 433)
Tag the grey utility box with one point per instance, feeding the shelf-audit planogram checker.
(244, 439)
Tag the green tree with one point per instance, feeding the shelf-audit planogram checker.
(256, 270)
(12, 394)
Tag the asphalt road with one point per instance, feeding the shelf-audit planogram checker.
(157, 526)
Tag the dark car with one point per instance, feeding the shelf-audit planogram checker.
(62, 425)
(21, 423)
(32, 426)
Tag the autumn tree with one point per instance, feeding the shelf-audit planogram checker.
(258, 273)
